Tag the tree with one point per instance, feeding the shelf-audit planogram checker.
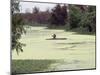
(17, 26)
(59, 15)
(83, 18)
(64, 14)
(36, 10)
(75, 16)
(88, 20)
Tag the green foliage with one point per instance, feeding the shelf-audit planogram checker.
(75, 16)
(17, 31)
(58, 15)
(91, 8)
(88, 20)
(17, 27)
(83, 19)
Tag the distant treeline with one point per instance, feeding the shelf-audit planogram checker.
(82, 17)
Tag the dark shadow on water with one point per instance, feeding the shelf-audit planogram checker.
(67, 48)
(77, 43)
(75, 61)
(79, 32)
(72, 43)
(83, 33)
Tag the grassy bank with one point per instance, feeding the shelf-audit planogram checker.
(30, 66)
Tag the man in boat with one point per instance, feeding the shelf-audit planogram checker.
(54, 36)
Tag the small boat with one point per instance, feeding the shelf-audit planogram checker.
(56, 39)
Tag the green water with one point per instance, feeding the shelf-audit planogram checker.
(76, 52)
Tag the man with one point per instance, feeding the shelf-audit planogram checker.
(54, 36)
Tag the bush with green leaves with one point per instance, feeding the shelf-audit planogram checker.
(17, 26)
(74, 16)
(83, 19)
(88, 20)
